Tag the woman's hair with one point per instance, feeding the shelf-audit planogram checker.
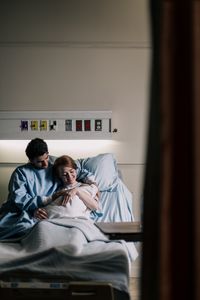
(64, 161)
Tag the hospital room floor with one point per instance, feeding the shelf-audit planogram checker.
(134, 288)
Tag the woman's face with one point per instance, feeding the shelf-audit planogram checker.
(67, 175)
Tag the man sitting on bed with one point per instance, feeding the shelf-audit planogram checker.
(29, 187)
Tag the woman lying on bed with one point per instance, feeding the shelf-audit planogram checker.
(75, 199)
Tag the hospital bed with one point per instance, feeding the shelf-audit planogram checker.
(73, 258)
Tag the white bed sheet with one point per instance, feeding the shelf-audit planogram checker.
(67, 249)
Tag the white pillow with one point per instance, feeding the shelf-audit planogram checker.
(103, 167)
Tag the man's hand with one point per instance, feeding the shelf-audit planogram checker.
(40, 214)
(58, 194)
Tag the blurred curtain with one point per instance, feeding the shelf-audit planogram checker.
(171, 219)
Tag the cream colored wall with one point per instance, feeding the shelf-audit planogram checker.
(54, 78)
(80, 55)
(75, 21)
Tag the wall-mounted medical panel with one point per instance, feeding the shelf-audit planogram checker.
(58, 125)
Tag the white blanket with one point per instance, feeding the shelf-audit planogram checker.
(67, 249)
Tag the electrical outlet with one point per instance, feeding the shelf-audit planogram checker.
(87, 125)
(24, 125)
(79, 125)
(43, 125)
(52, 125)
(98, 125)
(68, 125)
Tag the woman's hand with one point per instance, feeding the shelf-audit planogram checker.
(41, 214)
(68, 196)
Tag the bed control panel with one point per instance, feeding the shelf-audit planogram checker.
(55, 124)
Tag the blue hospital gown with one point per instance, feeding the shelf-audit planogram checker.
(27, 188)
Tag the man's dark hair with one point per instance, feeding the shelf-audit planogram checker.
(36, 147)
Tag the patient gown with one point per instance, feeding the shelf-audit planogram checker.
(27, 189)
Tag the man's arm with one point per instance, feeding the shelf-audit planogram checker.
(21, 195)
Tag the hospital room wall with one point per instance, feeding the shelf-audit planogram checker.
(79, 55)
